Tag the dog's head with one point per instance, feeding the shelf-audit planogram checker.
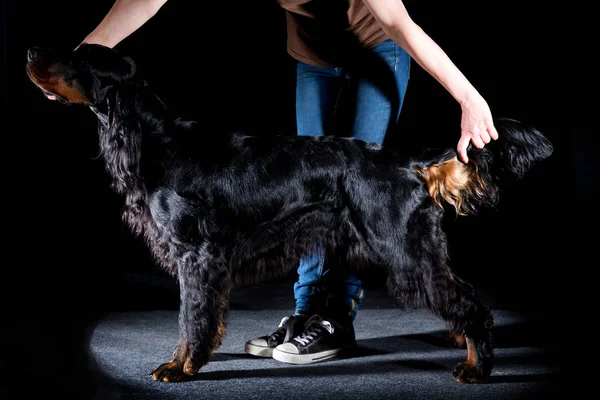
(83, 76)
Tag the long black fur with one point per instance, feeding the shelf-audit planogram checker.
(221, 210)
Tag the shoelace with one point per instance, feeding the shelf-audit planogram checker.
(312, 331)
(279, 332)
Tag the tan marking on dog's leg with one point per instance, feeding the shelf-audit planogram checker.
(457, 340)
(471, 353)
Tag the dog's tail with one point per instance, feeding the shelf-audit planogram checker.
(468, 187)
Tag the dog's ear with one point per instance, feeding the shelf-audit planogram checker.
(106, 62)
(122, 69)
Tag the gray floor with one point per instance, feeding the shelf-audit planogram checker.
(401, 355)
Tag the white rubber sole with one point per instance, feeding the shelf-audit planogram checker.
(292, 358)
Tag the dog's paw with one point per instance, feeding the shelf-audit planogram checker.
(171, 371)
(467, 373)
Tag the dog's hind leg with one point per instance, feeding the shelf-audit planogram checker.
(468, 319)
(204, 283)
(456, 340)
(421, 278)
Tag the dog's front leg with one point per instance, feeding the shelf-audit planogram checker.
(204, 282)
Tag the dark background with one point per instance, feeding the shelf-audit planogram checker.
(68, 258)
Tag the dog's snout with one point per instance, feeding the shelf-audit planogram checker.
(32, 54)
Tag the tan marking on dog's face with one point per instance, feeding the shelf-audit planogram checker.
(51, 81)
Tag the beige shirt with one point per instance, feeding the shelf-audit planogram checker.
(328, 33)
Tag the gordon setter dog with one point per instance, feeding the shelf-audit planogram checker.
(221, 210)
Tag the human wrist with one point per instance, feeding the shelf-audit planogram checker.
(469, 99)
(99, 38)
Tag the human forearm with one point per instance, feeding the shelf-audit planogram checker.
(477, 125)
(435, 61)
(124, 18)
(396, 22)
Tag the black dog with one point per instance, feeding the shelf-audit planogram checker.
(219, 210)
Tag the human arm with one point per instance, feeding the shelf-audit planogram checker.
(477, 125)
(124, 18)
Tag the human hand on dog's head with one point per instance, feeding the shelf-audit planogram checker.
(83, 76)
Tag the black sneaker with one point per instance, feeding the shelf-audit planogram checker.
(322, 339)
(289, 327)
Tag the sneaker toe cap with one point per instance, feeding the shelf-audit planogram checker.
(261, 342)
(259, 347)
(287, 348)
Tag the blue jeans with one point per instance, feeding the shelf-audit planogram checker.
(364, 101)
